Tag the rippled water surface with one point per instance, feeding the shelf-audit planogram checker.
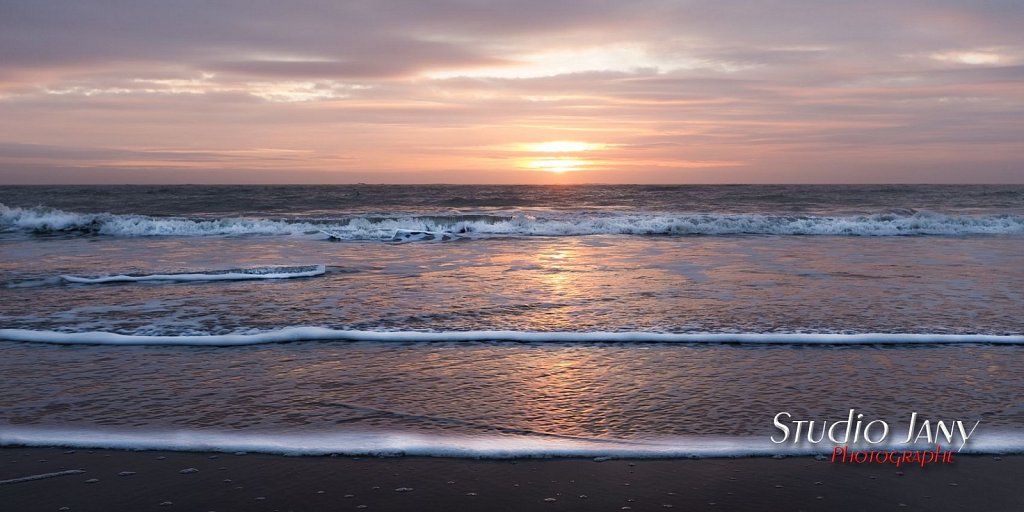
(958, 280)
(600, 283)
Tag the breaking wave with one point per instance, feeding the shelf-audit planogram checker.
(44, 220)
(441, 445)
(236, 274)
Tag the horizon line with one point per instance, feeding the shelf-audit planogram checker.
(834, 184)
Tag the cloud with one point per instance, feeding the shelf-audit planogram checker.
(427, 86)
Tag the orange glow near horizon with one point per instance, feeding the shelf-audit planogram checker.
(560, 156)
(556, 165)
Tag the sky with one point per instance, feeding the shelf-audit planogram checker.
(525, 91)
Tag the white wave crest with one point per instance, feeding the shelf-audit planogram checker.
(49, 220)
(293, 334)
(223, 275)
(449, 445)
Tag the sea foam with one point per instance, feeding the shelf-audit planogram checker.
(218, 275)
(293, 334)
(44, 220)
(386, 443)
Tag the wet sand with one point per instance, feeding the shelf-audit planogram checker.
(114, 480)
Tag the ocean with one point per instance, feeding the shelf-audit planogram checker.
(506, 321)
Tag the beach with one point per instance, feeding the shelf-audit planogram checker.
(161, 480)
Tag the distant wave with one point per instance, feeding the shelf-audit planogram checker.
(216, 275)
(293, 334)
(385, 443)
(44, 220)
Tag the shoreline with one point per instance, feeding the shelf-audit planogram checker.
(165, 480)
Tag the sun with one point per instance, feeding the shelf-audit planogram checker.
(559, 156)
(556, 165)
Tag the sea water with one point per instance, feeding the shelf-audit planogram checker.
(505, 321)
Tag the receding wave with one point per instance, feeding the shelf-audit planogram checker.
(236, 274)
(384, 443)
(293, 334)
(44, 220)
